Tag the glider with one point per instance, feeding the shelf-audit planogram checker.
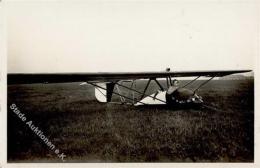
(107, 84)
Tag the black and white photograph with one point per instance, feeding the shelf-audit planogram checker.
(130, 81)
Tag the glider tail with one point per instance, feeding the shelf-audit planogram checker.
(104, 91)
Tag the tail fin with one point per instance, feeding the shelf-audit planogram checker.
(104, 93)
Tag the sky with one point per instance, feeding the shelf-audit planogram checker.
(111, 36)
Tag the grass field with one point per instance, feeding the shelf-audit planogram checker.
(88, 131)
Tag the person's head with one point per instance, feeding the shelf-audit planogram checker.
(175, 82)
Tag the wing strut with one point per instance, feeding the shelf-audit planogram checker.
(133, 93)
(140, 93)
(190, 82)
(148, 83)
(203, 84)
(119, 91)
(162, 89)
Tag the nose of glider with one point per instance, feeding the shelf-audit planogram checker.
(181, 96)
(196, 99)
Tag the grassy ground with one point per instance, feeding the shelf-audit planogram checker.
(88, 131)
